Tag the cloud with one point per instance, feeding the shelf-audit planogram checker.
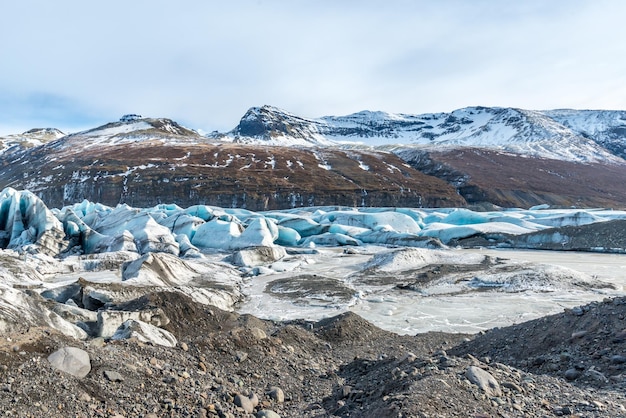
(205, 62)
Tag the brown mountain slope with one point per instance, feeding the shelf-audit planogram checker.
(516, 181)
(148, 172)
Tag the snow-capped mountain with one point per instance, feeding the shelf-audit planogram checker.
(269, 125)
(145, 161)
(584, 136)
(275, 159)
(130, 129)
(29, 139)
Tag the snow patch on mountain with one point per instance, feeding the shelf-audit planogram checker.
(29, 139)
(565, 135)
(128, 131)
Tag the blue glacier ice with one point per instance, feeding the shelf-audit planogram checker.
(26, 224)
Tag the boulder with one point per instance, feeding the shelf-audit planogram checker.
(158, 269)
(484, 380)
(71, 360)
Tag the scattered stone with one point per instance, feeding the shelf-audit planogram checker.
(145, 333)
(596, 375)
(597, 404)
(276, 394)
(572, 374)
(254, 399)
(409, 358)
(71, 360)
(84, 397)
(513, 386)
(244, 402)
(184, 346)
(618, 359)
(113, 376)
(267, 413)
(484, 380)
(97, 342)
(258, 333)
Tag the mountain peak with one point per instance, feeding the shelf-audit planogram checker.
(136, 126)
(29, 139)
(52, 133)
(273, 126)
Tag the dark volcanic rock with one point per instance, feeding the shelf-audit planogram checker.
(509, 180)
(609, 236)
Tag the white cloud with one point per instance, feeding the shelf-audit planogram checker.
(205, 62)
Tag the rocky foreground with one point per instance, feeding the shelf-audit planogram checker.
(230, 365)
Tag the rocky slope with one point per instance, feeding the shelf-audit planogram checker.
(227, 365)
(513, 180)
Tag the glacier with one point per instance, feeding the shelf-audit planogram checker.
(28, 225)
(405, 269)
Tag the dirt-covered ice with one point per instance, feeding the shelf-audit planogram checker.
(416, 290)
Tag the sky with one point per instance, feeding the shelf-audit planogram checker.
(75, 64)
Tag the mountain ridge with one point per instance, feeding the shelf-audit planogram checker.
(559, 134)
(275, 160)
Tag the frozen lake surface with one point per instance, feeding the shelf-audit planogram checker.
(410, 312)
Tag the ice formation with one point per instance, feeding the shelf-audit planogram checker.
(27, 225)
(87, 257)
